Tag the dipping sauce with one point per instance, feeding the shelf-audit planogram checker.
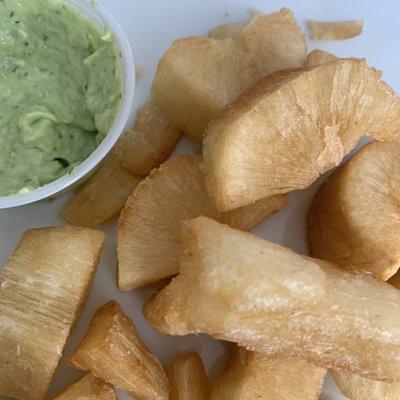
(60, 90)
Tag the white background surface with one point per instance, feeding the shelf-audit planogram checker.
(151, 26)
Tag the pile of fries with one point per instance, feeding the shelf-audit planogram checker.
(269, 119)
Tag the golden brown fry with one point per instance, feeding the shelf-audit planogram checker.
(158, 129)
(112, 351)
(188, 379)
(249, 376)
(150, 142)
(227, 31)
(102, 196)
(292, 127)
(335, 30)
(87, 388)
(241, 288)
(198, 76)
(354, 218)
(247, 217)
(42, 291)
(150, 224)
(357, 388)
(318, 57)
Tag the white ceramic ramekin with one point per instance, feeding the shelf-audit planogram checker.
(101, 17)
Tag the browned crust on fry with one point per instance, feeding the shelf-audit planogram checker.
(354, 218)
(203, 74)
(151, 141)
(248, 217)
(248, 376)
(238, 287)
(87, 388)
(112, 351)
(357, 388)
(150, 223)
(318, 57)
(322, 30)
(44, 285)
(188, 379)
(102, 196)
(293, 126)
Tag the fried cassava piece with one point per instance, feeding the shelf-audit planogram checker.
(243, 289)
(267, 44)
(151, 141)
(354, 218)
(248, 376)
(318, 57)
(42, 291)
(112, 351)
(322, 30)
(356, 214)
(87, 388)
(150, 224)
(202, 74)
(293, 126)
(357, 388)
(188, 379)
(102, 196)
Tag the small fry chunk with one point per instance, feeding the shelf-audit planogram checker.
(226, 31)
(354, 218)
(198, 76)
(150, 224)
(188, 379)
(102, 196)
(249, 376)
(321, 30)
(357, 388)
(151, 141)
(247, 217)
(293, 126)
(243, 289)
(112, 351)
(318, 57)
(42, 291)
(87, 388)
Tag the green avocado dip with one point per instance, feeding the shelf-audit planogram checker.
(60, 90)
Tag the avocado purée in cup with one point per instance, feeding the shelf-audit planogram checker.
(60, 90)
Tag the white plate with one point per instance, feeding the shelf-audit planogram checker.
(151, 26)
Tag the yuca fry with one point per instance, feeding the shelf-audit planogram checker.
(293, 126)
(102, 196)
(243, 289)
(248, 376)
(335, 30)
(357, 388)
(354, 218)
(226, 31)
(318, 57)
(150, 224)
(42, 291)
(232, 30)
(87, 388)
(155, 135)
(188, 379)
(202, 74)
(357, 221)
(247, 217)
(112, 351)
(151, 141)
